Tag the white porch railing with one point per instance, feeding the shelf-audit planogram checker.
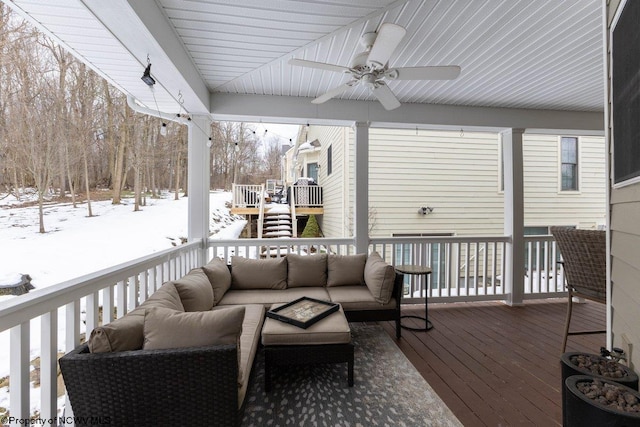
(63, 313)
(249, 195)
(471, 268)
(464, 269)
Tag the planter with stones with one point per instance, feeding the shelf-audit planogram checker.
(596, 366)
(597, 402)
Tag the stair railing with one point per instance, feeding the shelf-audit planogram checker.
(261, 212)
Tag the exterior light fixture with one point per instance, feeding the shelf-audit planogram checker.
(146, 77)
(425, 210)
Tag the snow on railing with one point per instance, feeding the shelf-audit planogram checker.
(62, 314)
(276, 248)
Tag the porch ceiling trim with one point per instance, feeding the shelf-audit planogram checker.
(298, 110)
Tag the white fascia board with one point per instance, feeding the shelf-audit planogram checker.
(299, 110)
(142, 28)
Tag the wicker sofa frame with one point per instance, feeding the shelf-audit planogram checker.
(186, 386)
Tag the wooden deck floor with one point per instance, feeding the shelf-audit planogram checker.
(496, 365)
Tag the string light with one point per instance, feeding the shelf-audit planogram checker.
(209, 143)
(163, 129)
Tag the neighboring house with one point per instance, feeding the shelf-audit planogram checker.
(457, 177)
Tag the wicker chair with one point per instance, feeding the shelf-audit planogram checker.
(584, 264)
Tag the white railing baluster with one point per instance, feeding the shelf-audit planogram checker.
(49, 365)
(92, 312)
(107, 305)
(19, 371)
(121, 298)
(132, 293)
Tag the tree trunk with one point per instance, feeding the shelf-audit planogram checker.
(118, 170)
(86, 181)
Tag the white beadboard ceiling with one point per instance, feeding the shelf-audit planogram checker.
(543, 54)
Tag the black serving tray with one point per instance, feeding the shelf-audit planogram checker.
(303, 312)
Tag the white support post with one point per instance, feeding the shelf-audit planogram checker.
(19, 373)
(361, 200)
(198, 182)
(513, 276)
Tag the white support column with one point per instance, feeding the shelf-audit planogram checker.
(361, 199)
(198, 171)
(49, 365)
(513, 276)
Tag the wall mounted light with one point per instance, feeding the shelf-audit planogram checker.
(425, 210)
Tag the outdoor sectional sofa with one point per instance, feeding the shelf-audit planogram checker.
(185, 355)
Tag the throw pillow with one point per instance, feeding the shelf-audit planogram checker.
(270, 273)
(219, 277)
(306, 270)
(379, 278)
(165, 328)
(346, 270)
(126, 333)
(195, 291)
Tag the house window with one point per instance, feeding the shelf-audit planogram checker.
(569, 163)
(329, 160)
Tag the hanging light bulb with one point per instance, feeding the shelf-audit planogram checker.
(163, 129)
(237, 147)
(209, 143)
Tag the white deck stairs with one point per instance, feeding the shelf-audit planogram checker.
(277, 224)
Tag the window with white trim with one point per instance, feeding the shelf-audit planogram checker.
(568, 163)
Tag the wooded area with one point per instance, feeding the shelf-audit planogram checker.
(66, 132)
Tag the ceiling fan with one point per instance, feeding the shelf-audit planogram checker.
(371, 69)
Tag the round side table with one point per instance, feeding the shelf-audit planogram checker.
(416, 270)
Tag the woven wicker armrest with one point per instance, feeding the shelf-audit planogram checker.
(187, 386)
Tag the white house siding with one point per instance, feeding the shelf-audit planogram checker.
(625, 260)
(333, 222)
(544, 203)
(458, 175)
(455, 175)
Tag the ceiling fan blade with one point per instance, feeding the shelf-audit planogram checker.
(333, 92)
(318, 65)
(388, 38)
(386, 97)
(449, 72)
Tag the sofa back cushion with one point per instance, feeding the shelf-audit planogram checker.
(219, 278)
(195, 291)
(346, 270)
(126, 333)
(270, 273)
(379, 277)
(165, 328)
(306, 270)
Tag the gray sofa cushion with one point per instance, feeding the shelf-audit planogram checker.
(346, 270)
(195, 291)
(249, 343)
(306, 270)
(127, 332)
(379, 277)
(219, 277)
(354, 298)
(165, 328)
(268, 273)
(259, 296)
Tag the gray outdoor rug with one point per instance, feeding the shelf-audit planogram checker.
(388, 391)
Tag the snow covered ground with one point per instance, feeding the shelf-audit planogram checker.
(75, 245)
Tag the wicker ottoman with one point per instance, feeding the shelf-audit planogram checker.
(328, 341)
